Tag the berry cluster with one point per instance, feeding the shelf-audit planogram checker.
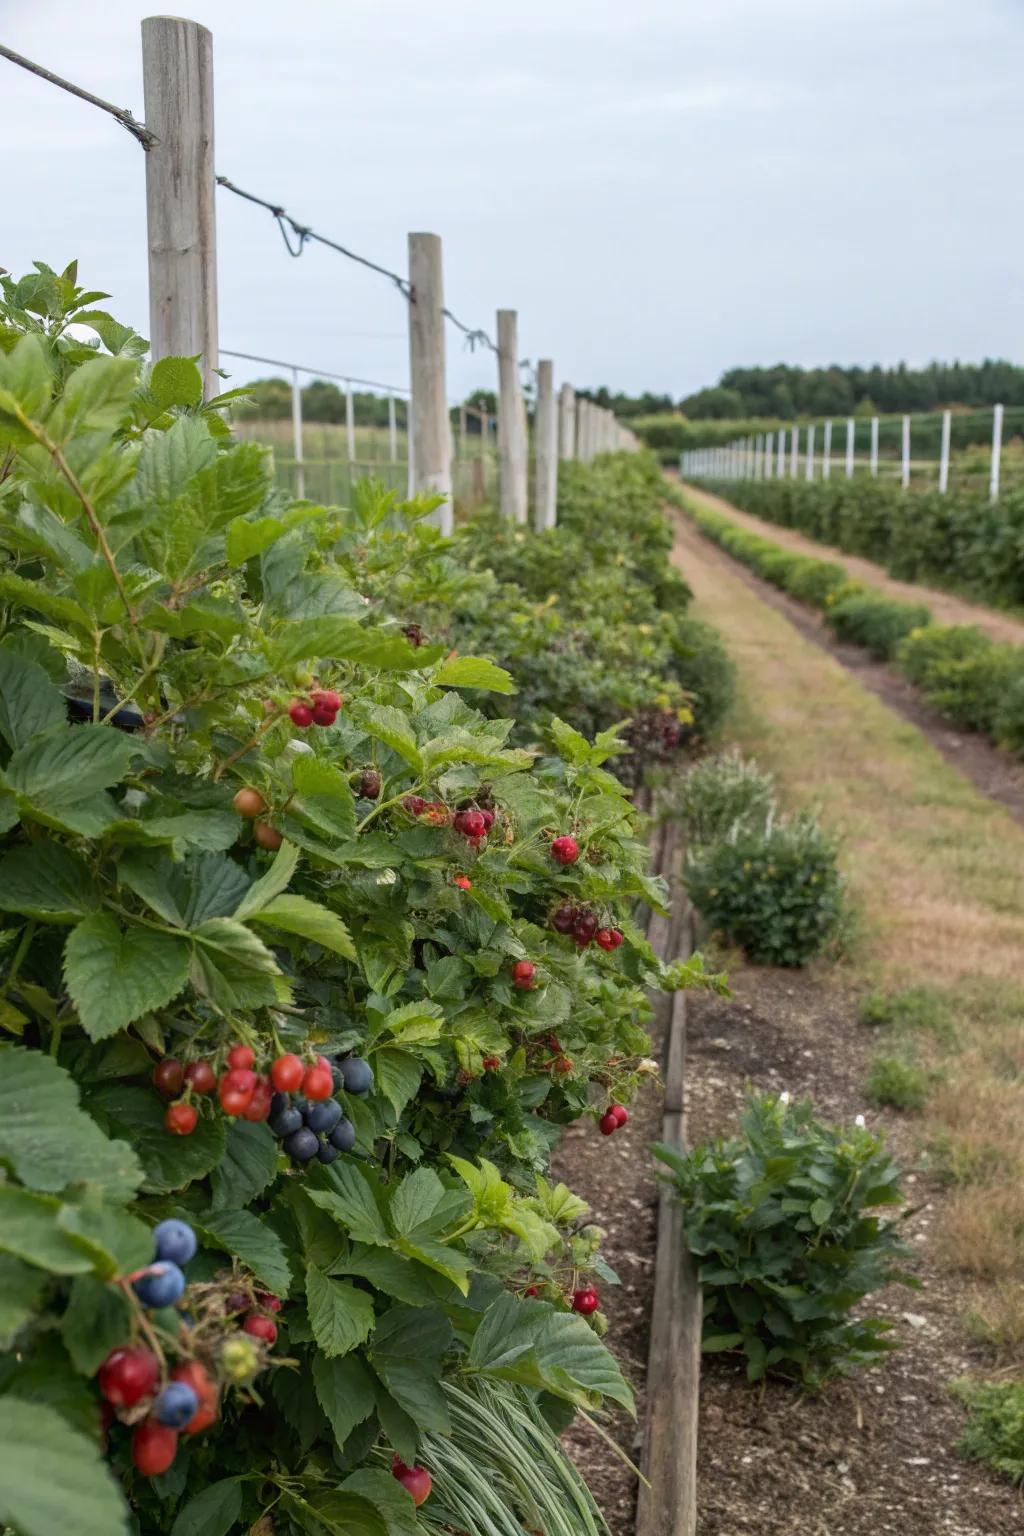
(320, 708)
(584, 926)
(319, 1128)
(134, 1381)
(241, 1091)
(613, 1119)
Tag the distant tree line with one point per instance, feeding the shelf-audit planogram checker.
(783, 391)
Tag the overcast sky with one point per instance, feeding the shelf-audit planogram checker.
(662, 188)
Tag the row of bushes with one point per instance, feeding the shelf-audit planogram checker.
(256, 833)
(974, 681)
(960, 540)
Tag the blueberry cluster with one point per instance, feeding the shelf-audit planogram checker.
(320, 1129)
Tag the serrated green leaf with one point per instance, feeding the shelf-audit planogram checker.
(26, 376)
(392, 727)
(325, 797)
(33, 596)
(30, 1230)
(270, 884)
(68, 766)
(170, 460)
(473, 672)
(235, 968)
(175, 381)
(248, 1167)
(170, 1162)
(540, 1348)
(115, 975)
(351, 1204)
(215, 1510)
(44, 879)
(97, 1319)
(52, 1478)
(29, 702)
(308, 919)
(398, 1076)
(246, 1237)
(116, 1242)
(344, 1389)
(185, 892)
(21, 1287)
(340, 1314)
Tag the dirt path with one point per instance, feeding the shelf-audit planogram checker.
(946, 608)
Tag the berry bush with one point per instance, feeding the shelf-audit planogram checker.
(305, 961)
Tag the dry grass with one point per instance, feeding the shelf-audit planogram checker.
(937, 873)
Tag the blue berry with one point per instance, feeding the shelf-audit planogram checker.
(358, 1074)
(324, 1116)
(176, 1405)
(343, 1136)
(279, 1102)
(161, 1286)
(285, 1122)
(174, 1241)
(302, 1145)
(326, 1153)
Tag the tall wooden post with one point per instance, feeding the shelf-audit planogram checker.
(545, 431)
(177, 83)
(430, 436)
(566, 422)
(512, 438)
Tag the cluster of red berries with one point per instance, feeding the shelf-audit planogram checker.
(474, 825)
(320, 708)
(613, 1119)
(585, 927)
(241, 1091)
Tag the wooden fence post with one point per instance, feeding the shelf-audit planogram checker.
(177, 82)
(545, 431)
(430, 442)
(512, 438)
(947, 422)
(997, 450)
(566, 422)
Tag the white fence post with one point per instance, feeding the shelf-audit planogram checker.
(794, 452)
(567, 422)
(430, 442)
(545, 430)
(512, 440)
(177, 80)
(851, 428)
(826, 452)
(392, 431)
(768, 457)
(905, 453)
(874, 445)
(350, 423)
(947, 424)
(810, 452)
(782, 452)
(300, 471)
(997, 451)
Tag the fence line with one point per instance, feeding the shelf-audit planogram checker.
(181, 182)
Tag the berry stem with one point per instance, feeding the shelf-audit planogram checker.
(248, 746)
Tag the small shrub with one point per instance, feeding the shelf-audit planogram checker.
(961, 672)
(897, 1082)
(817, 583)
(720, 793)
(780, 1220)
(995, 1425)
(876, 623)
(773, 890)
(704, 669)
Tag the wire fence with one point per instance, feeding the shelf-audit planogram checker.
(979, 452)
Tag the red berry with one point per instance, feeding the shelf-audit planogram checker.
(261, 1327)
(531, 1290)
(620, 1112)
(267, 836)
(241, 1056)
(249, 803)
(324, 715)
(437, 813)
(463, 882)
(586, 1300)
(565, 850)
(318, 1082)
(169, 1077)
(563, 1065)
(603, 939)
(269, 1301)
(200, 1076)
(181, 1119)
(300, 714)
(258, 1107)
(523, 973)
(563, 919)
(470, 824)
(369, 784)
(154, 1447)
(287, 1072)
(488, 817)
(327, 699)
(414, 804)
(415, 1480)
(128, 1375)
(236, 1089)
(194, 1374)
(491, 1063)
(609, 1123)
(585, 927)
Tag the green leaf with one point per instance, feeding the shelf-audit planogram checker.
(297, 914)
(398, 1075)
(26, 377)
(407, 1350)
(235, 968)
(32, 595)
(214, 1511)
(170, 1162)
(346, 1514)
(52, 1478)
(248, 1167)
(388, 1497)
(29, 703)
(270, 884)
(71, 765)
(30, 1230)
(95, 396)
(294, 1393)
(531, 1343)
(97, 1319)
(175, 381)
(213, 830)
(571, 745)
(35, 1095)
(169, 460)
(344, 1388)
(351, 1204)
(325, 797)
(185, 892)
(21, 1287)
(46, 880)
(340, 1314)
(115, 975)
(246, 1237)
(116, 1242)
(473, 672)
(392, 727)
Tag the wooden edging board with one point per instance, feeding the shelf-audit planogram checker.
(668, 1506)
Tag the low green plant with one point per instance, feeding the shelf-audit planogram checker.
(917, 1010)
(876, 623)
(995, 1425)
(782, 1219)
(719, 793)
(899, 1083)
(774, 890)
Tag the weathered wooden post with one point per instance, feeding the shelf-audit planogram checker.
(512, 438)
(566, 422)
(545, 430)
(177, 83)
(429, 433)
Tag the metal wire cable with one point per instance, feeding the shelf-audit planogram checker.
(122, 115)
